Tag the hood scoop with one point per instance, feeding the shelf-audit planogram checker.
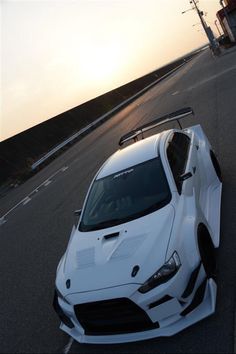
(129, 255)
(88, 257)
(127, 247)
(115, 234)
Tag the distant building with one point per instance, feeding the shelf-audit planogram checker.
(227, 18)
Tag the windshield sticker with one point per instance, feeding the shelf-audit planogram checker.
(123, 173)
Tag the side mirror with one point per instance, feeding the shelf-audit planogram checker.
(77, 214)
(185, 176)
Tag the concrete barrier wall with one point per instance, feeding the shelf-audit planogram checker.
(19, 153)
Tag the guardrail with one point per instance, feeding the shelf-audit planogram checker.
(100, 119)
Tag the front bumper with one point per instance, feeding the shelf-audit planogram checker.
(167, 317)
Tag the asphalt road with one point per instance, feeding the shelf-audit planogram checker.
(36, 233)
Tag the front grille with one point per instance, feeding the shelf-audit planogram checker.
(114, 316)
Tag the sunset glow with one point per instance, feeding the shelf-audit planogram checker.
(100, 63)
(59, 54)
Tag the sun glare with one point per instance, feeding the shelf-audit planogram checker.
(100, 63)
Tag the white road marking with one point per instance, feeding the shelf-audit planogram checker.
(47, 182)
(2, 220)
(27, 199)
(10, 210)
(68, 346)
(213, 77)
(175, 93)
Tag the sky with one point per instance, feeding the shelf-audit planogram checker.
(58, 54)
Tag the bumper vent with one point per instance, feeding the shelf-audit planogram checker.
(192, 281)
(161, 301)
(114, 316)
(197, 299)
(60, 313)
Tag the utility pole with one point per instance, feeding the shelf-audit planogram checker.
(213, 45)
(206, 28)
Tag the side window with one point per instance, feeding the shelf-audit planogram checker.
(177, 154)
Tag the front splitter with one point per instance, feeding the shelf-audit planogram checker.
(205, 309)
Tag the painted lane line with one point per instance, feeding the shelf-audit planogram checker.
(175, 93)
(2, 220)
(68, 346)
(47, 182)
(26, 199)
(13, 208)
(213, 77)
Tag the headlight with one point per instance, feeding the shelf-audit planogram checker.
(166, 272)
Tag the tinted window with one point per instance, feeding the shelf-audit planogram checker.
(177, 154)
(126, 195)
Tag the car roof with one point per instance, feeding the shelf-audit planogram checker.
(131, 155)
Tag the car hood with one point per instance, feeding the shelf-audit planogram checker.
(94, 262)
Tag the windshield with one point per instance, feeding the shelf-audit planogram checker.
(126, 195)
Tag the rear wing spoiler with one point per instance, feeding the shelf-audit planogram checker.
(177, 115)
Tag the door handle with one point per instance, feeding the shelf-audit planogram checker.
(194, 169)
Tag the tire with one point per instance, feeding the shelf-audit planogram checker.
(216, 165)
(207, 251)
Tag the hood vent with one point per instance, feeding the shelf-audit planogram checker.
(85, 258)
(115, 234)
(128, 247)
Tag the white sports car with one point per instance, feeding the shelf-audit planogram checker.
(140, 263)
